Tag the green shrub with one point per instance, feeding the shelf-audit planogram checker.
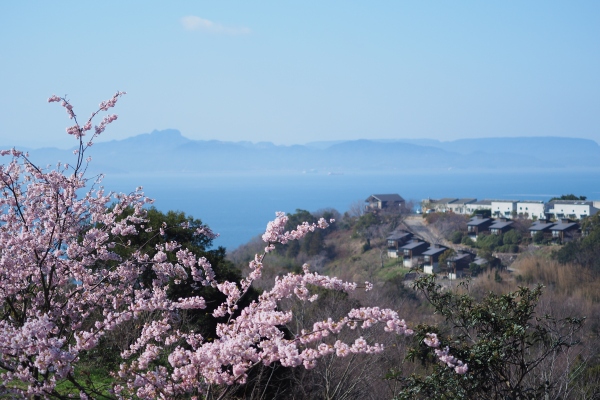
(456, 237)
(467, 241)
(512, 237)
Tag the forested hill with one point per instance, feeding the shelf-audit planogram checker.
(170, 151)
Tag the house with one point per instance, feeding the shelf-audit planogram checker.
(531, 209)
(503, 208)
(431, 257)
(412, 252)
(482, 262)
(565, 230)
(448, 204)
(477, 225)
(542, 225)
(478, 206)
(396, 240)
(460, 206)
(573, 209)
(384, 201)
(458, 265)
(441, 205)
(500, 226)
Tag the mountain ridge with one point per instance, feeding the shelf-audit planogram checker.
(170, 151)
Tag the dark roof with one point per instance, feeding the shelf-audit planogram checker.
(483, 203)
(564, 226)
(464, 201)
(386, 197)
(432, 251)
(445, 200)
(540, 226)
(414, 245)
(461, 257)
(398, 235)
(500, 224)
(475, 221)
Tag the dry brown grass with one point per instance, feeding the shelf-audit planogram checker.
(351, 262)
(565, 280)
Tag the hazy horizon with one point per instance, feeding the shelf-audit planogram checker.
(74, 143)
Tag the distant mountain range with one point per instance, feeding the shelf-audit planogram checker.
(168, 151)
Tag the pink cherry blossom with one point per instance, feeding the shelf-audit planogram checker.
(64, 288)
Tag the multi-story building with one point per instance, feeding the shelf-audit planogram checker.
(460, 206)
(413, 251)
(477, 225)
(479, 206)
(431, 258)
(503, 208)
(531, 209)
(396, 240)
(573, 209)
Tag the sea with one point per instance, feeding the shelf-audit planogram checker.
(239, 205)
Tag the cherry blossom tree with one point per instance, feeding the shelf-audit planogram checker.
(64, 286)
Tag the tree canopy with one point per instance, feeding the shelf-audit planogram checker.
(568, 197)
(510, 349)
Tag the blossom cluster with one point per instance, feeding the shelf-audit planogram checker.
(63, 287)
(444, 355)
(276, 233)
(79, 131)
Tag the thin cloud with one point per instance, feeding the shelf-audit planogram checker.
(193, 23)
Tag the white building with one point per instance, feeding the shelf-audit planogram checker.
(531, 209)
(573, 209)
(478, 206)
(503, 208)
(460, 206)
(441, 205)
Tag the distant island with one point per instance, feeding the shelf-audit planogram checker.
(169, 151)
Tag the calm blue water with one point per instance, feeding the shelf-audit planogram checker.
(238, 206)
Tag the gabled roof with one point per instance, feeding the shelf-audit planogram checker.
(475, 221)
(386, 197)
(500, 224)
(414, 245)
(432, 251)
(445, 200)
(540, 226)
(564, 226)
(483, 203)
(399, 235)
(464, 201)
(461, 257)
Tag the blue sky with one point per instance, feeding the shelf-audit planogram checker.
(304, 71)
